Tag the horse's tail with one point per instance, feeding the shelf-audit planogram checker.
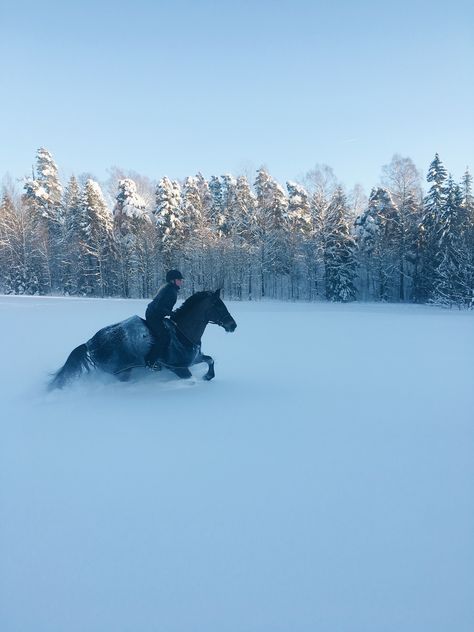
(77, 362)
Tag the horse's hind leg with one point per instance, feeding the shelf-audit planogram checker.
(210, 363)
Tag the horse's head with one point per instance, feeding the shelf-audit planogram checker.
(198, 310)
(218, 312)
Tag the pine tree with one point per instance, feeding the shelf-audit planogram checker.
(272, 223)
(205, 196)
(223, 210)
(207, 261)
(216, 208)
(97, 241)
(319, 203)
(466, 192)
(300, 230)
(43, 196)
(449, 279)
(429, 232)
(72, 253)
(169, 222)
(379, 234)
(197, 232)
(132, 230)
(243, 239)
(229, 205)
(468, 207)
(454, 281)
(339, 251)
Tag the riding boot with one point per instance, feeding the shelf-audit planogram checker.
(156, 353)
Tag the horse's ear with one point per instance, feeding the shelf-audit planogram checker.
(217, 293)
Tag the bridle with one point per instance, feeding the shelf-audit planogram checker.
(220, 321)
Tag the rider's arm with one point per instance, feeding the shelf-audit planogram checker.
(168, 301)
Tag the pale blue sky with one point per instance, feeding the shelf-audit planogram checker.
(176, 87)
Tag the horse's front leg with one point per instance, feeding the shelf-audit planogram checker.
(210, 363)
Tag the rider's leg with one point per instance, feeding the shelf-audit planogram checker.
(158, 348)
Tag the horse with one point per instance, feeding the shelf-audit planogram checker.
(119, 348)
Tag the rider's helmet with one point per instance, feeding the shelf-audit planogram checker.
(171, 275)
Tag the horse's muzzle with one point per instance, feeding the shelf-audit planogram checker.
(230, 326)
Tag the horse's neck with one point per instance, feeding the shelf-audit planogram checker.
(192, 327)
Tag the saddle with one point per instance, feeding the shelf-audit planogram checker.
(176, 350)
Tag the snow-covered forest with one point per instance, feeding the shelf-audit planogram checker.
(310, 240)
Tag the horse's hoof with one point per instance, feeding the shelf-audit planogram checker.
(208, 378)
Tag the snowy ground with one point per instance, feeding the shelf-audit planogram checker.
(323, 482)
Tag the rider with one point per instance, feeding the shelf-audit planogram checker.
(161, 306)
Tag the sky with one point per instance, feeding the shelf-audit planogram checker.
(176, 87)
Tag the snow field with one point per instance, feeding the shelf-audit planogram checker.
(323, 481)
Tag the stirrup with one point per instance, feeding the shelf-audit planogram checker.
(154, 366)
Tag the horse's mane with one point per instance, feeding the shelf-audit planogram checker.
(189, 303)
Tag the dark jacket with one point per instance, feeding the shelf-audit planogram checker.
(162, 305)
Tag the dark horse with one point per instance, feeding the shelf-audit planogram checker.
(119, 348)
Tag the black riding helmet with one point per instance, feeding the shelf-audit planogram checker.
(171, 275)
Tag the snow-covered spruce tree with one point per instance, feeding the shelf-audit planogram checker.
(48, 178)
(467, 195)
(169, 223)
(216, 214)
(43, 193)
(453, 275)
(225, 228)
(272, 226)
(300, 231)
(205, 197)
(133, 231)
(216, 207)
(242, 237)
(379, 234)
(229, 205)
(339, 250)
(197, 233)
(467, 205)
(429, 232)
(208, 236)
(97, 242)
(72, 252)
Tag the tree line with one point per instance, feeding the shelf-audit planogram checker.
(308, 241)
